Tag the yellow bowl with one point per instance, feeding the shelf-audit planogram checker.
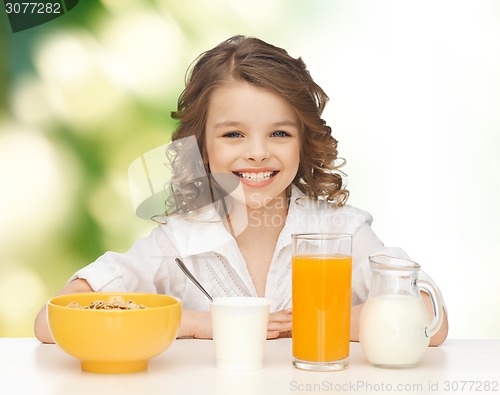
(114, 341)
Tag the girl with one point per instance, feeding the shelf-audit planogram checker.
(255, 114)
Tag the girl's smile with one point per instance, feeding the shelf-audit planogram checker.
(253, 134)
(256, 177)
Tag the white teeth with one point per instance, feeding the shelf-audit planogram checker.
(261, 176)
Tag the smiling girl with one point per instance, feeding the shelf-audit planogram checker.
(255, 113)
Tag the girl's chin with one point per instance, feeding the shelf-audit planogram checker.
(256, 200)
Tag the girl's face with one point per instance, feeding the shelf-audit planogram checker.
(252, 134)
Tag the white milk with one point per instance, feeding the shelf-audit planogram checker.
(239, 327)
(392, 330)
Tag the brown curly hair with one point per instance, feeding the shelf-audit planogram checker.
(264, 65)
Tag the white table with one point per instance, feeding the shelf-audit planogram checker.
(187, 367)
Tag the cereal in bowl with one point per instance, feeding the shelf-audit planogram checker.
(115, 303)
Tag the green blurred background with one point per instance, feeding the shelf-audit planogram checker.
(414, 103)
(82, 97)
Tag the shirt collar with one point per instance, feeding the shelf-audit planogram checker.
(205, 232)
(198, 234)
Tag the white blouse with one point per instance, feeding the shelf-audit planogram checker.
(211, 253)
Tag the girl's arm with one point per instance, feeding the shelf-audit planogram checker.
(442, 333)
(42, 332)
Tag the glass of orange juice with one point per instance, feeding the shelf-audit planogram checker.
(321, 300)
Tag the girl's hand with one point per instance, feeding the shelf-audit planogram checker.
(203, 329)
(279, 322)
(195, 324)
(42, 331)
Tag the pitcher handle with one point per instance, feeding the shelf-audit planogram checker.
(437, 306)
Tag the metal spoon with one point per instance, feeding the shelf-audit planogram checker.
(189, 275)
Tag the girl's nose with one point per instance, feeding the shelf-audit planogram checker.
(257, 151)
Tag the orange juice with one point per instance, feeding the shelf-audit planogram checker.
(321, 307)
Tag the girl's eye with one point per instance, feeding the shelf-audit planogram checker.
(280, 133)
(232, 134)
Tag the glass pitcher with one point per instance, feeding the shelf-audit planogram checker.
(394, 327)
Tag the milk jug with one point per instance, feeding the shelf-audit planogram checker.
(394, 327)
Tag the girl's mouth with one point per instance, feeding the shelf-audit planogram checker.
(256, 176)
